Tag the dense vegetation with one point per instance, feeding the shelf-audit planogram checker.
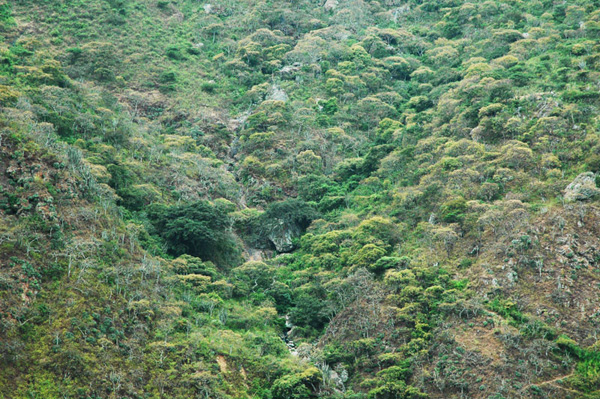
(297, 199)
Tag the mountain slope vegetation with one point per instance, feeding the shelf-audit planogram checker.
(298, 199)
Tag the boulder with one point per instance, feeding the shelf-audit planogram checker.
(289, 71)
(330, 5)
(281, 235)
(277, 94)
(582, 188)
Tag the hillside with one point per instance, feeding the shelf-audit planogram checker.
(296, 199)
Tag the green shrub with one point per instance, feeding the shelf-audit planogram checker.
(174, 53)
(167, 77)
(453, 211)
(297, 386)
(293, 211)
(314, 187)
(389, 262)
(198, 229)
(209, 86)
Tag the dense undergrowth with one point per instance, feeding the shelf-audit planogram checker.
(187, 187)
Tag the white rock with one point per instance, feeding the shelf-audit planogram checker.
(277, 94)
(582, 188)
(330, 5)
(289, 71)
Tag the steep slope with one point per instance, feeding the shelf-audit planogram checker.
(87, 312)
(405, 192)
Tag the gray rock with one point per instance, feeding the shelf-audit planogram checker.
(277, 94)
(582, 188)
(282, 234)
(289, 71)
(432, 219)
(330, 5)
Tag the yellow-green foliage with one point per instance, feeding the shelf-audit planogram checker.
(410, 158)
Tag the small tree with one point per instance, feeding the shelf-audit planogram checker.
(447, 237)
(198, 229)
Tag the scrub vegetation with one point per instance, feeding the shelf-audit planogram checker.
(271, 199)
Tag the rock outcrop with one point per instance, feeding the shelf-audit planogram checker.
(276, 93)
(330, 5)
(282, 235)
(582, 188)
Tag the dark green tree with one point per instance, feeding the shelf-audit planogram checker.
(197, 228)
